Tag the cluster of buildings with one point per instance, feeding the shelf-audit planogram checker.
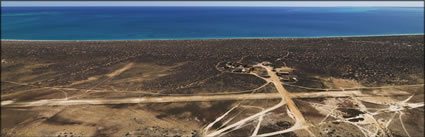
(237, 67)
(285, 74)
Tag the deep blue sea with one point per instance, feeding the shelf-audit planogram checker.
(135, 23)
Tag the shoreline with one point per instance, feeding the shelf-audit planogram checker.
(232, 38)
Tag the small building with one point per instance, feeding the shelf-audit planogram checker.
(282, 73)
(285, 78)
(230, 66)
(240, 69)
(288, 79)
(237, 70)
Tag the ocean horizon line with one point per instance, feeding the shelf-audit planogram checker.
(230, 38)
(235, 6)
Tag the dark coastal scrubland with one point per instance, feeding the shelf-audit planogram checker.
(373, 61)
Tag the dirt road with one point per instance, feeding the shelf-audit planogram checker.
(163, 99)
(300, 122)
(285, 94)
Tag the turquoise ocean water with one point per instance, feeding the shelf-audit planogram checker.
(136, 23)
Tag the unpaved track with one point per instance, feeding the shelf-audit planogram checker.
(300, 122)
(164, 99)
(285, 95)
(121, 70)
